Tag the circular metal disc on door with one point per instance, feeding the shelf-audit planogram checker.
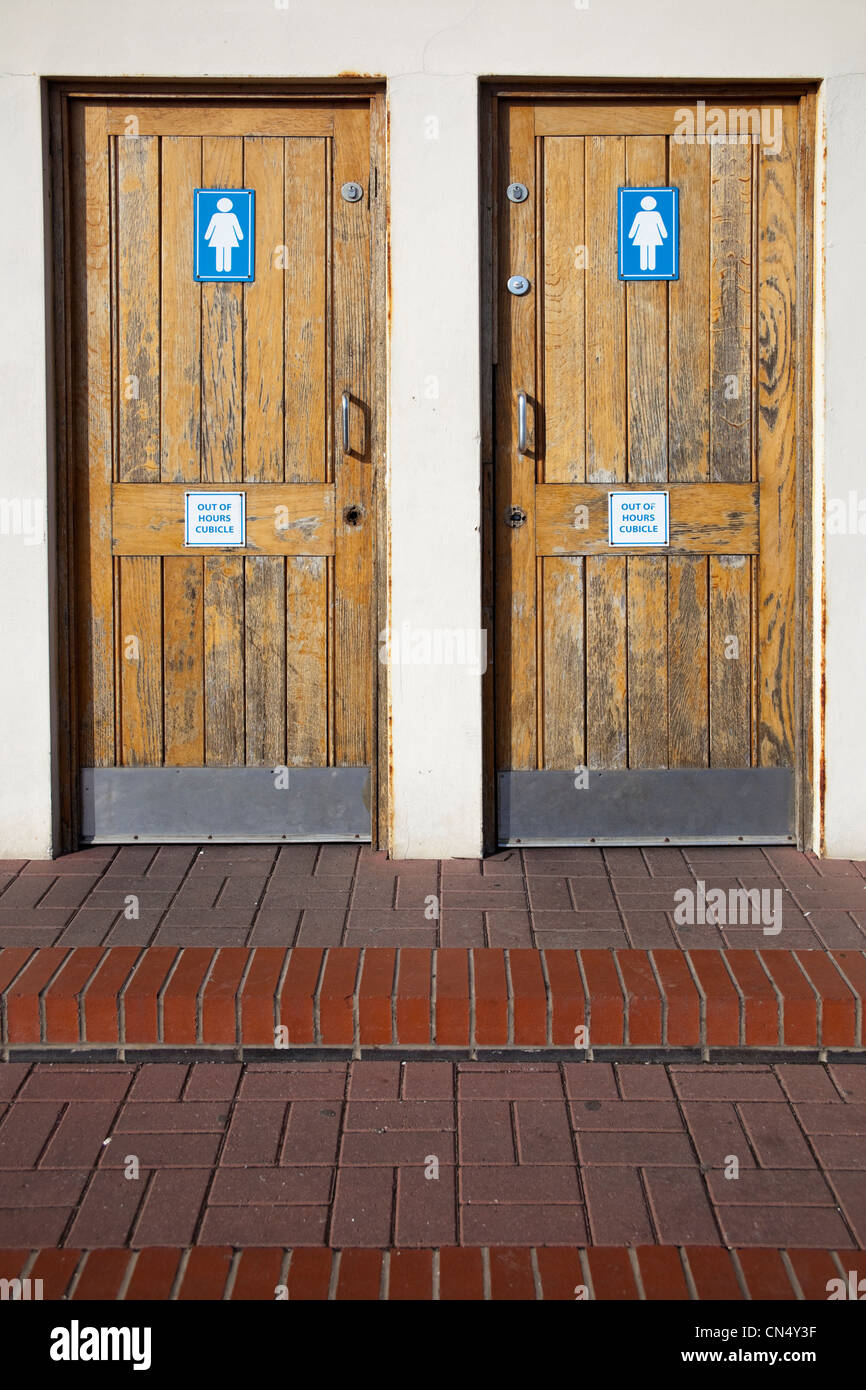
(518, 284)
(352, 192)
(517, 192)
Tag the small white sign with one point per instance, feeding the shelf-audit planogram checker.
(638, 518)
(215, 518)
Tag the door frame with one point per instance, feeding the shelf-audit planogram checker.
(57, 96)
(492, 92)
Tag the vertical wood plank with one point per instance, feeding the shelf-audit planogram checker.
(606, 662)
(688, 456)
(308, 440)
(381, 782)
(263, 423)
(647, 337)
(138, 229)
(564, 662)
(804, 745)
(606, 454)
(731, 313)
(180, 377)
(688, 635)
(91, 463)
(647, 661)
(777, 445)
(307, 388)
(647, 406)
(689, 316)
(222, 461)
(515, 477)
(183, 659)
(605, 315)
(354, 636)
(140, 643)
(564, 272)
(222, 338)
(263, 316)
(182, 577)
(307, 661)
(61, 158)
(224, 658)
(265, 659)
(730, 665)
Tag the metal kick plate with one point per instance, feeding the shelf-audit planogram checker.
(192, 805)
(677, 806)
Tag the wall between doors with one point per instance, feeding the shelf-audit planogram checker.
(432, 58)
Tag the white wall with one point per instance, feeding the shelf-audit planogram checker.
(432, 55)
(25, 686)
(435, 461)
(845, 449)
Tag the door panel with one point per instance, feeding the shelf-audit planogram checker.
(223, 659)
(673, 668)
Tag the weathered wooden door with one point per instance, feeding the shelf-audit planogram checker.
(646, 695)
(223, 693)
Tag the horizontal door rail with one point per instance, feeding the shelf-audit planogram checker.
(281, 518)
(705, 518)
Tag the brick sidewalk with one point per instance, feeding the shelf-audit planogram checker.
(333, 895)
(329, 1155)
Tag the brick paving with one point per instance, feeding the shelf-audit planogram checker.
(436, 1178)
(431, 1155)
(548, 1273)
(346, 895)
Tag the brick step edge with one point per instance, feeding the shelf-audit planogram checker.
(618, 1273)
(353, 997)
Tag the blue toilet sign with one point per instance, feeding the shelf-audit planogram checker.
(649, 233)
(224, 236)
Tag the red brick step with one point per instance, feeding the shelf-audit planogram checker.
(460, 998)
(548, 1273)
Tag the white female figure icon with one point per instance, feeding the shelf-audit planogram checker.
(223, 233)
(647, 232)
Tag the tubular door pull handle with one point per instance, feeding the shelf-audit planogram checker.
(344, 404)
(521, 422)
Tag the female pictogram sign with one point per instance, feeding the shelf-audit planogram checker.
(648, 234)
(224, 233)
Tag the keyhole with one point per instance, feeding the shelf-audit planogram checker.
(353, 516)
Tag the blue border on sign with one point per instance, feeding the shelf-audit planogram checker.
(215, 545)
(251, 248)
(650, 491)
(650, 274)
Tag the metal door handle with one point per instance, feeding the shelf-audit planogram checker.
(521, 422)
(344, 402)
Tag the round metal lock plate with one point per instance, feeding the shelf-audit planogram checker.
(517, 192)
(515, 517)
(518, 284)
(352, 192)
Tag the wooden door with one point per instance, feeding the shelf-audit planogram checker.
(223, 694)
(646, 695)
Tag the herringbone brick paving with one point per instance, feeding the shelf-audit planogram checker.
(414, 1155)
(332, 895)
